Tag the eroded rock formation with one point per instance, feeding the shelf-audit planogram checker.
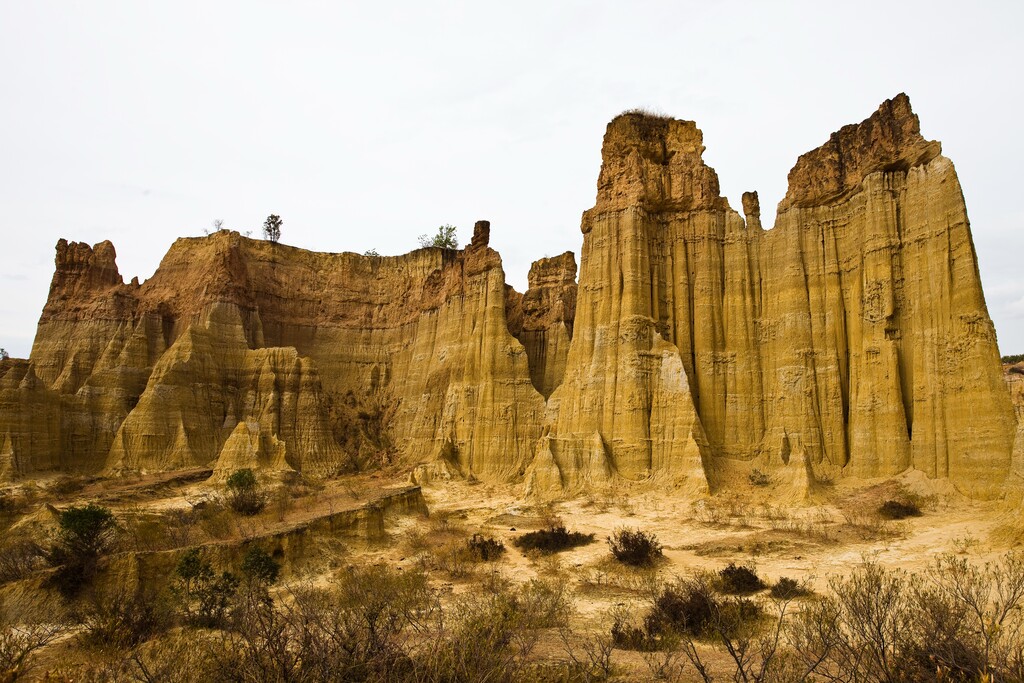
(854, 333)
(542, 318)
(850, 339)
(1013, 375)
(240, 352)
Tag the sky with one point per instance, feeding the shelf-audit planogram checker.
(365, 125)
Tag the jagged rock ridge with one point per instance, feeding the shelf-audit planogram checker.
(852, 338)
(241, 352)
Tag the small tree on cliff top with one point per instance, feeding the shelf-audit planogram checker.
(272, 227)
(444, 237)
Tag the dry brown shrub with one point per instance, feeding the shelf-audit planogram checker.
(19, 557)
(121, 618)
(26, 631)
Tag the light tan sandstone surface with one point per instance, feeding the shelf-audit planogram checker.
(850, 339)
(853, 334)
(542, 318)
(1013, 374)
(243, 352)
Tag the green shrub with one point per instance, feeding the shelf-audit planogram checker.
(636, 548)
(204, 597)
(244, 494)
(259, 567)
(242, 479)
(85, 531)
(555, 538)
(485, 548)
(445, 237)
(683, 608)
(739, 580)
(899, 509)
(83, 534)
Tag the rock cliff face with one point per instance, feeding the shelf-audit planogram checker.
(244, 353)
(882, 319)
(850, 339)
(542, 318)
(1014, 378)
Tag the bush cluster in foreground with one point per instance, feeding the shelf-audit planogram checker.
(372, 623)
(553, 539)
(635, 547)
(957, 621)
(207, 621)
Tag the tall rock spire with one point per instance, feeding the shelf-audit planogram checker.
(855, 332)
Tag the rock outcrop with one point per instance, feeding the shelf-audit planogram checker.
(241, 352)
(877, 348)
(850, 339)
(855, 332)
(542, 318)
(1013, 375)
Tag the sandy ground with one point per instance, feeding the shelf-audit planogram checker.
(812, 541)
(809, 541)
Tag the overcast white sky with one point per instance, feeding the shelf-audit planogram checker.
(365, 125)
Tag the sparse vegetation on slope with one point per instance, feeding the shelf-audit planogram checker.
(229, 596)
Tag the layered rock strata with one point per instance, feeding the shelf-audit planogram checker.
(245, 353)
(904, 352)
(850, 339)
(854, 333)
(1013, 375)
(542, 318)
